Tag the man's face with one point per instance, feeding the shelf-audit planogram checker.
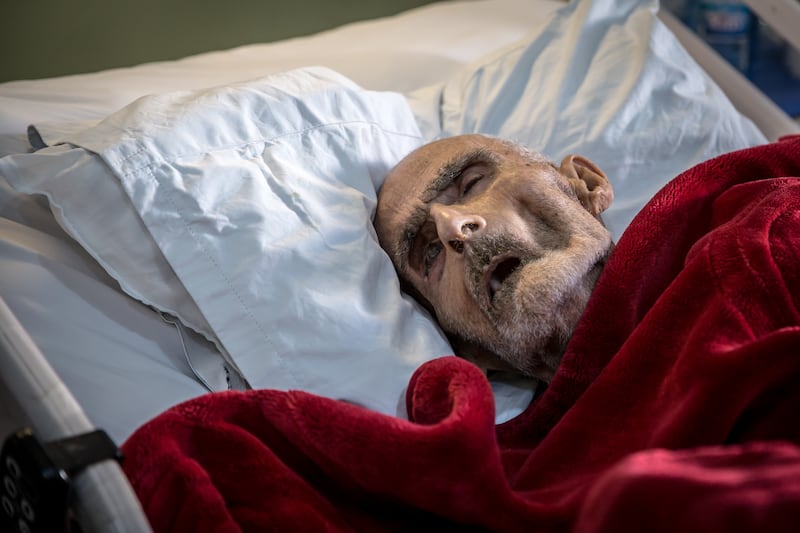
(496, 241)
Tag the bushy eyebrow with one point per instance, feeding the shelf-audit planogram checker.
(452, 169)
(445, 176)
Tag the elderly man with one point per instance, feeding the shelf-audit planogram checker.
(502, 246)
(673, 407)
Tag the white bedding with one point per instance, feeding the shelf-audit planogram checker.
(256, 200)
(401, 53)
(607, 80)
(603, 79)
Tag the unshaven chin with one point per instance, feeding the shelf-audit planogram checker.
(536, 311)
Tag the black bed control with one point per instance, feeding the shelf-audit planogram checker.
(35, 492)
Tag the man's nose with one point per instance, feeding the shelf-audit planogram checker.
(455, 225)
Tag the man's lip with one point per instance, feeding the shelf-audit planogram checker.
(505, 265)
(498, 271)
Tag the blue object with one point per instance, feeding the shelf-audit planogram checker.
(729, 27)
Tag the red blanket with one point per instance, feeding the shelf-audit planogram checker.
(676, 408)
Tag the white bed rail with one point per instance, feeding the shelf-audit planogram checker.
(104, 500)
(767, 116)
(783, 16)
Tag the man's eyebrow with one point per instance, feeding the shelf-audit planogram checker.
(452, 169)
(445, 176)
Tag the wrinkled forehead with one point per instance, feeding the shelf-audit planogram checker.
(416, 171)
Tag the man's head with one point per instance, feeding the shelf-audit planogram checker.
(502, 246)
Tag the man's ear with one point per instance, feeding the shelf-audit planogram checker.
(589, 183)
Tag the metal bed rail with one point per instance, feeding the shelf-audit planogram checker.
(103, 500)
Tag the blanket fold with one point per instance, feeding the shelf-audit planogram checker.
(675, 408)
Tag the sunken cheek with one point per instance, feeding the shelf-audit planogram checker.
(452, 285)
(454, 305)
(445, 287)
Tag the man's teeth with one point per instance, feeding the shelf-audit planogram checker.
(494, 284)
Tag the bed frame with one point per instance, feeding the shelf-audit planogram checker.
(30, 391)
(745, 96)
(104, 499)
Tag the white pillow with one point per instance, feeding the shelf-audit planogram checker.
(246, 211)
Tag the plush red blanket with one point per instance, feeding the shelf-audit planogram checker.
(677, 406)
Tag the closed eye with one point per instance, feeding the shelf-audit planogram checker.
(474, 175)
(470, 183)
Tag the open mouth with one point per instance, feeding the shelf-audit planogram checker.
(499, 273)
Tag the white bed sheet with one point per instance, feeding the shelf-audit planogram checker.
(607, 80)
(511, 67)
(401, 53)
(120, 360)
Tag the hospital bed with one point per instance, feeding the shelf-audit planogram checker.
(117, 304)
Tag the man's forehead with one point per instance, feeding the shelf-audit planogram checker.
(415, 173)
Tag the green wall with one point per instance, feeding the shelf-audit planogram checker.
(43, 38)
